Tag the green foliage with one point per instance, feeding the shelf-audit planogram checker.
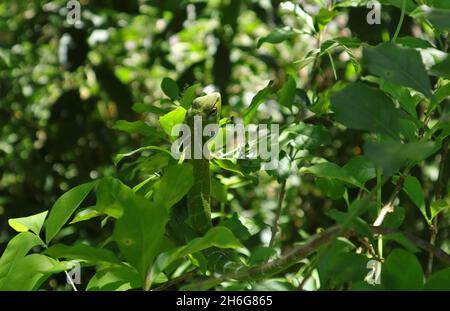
(86, 130)
(394, 276)
(169, 120)
(219, 237)
(362, 108)
(399, 65)
(64, 208)
(33, 223)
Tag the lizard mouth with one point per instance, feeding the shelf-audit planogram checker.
(214, 108)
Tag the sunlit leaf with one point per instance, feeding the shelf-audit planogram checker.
(64, 208)
(33, 223)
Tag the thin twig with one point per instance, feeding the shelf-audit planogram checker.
(424, 245)
(438, 195)
(278, 265)
(400, 22)
(278, 213)
(175, 281)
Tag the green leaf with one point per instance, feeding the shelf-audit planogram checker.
(442, 93)
(410, 5)
(112, 196)
(350, 219)
(219, 191)
(337, 263)
(413, 189)
(82, 252)
(136, 127)
(235, 225)
(30, 272)
(174, 185)
(393, 155)
(218, 236)
(406, 101)
(121, 156)
(364, 108)
(394, 219)
(400, 239)
(324, 17)
(257, 100)
(439, 281)
(441, 4)
(115, 279)
(356, 172)
(305, 136)
(85, 214)
(261, 254)
(344, 42)
(169, 120)
(332, 188)
(16, 249)
(360, 168)
(64, 208)
(440, 18)
(437, 207)
(402, 271)
(442, 69)
(340, 41)
(413, 42)
(277, 35)
(33, 223)
(322, 104)
(170, 88)
(189, 95)
(346, 267)
(140, 230)
(141, 108)
(228, 165)
(399, 65)
(287, 92)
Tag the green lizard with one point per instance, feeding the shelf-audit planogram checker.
(208, 108)
(199, 197)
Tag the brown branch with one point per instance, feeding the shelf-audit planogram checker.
(278, 213)
(284, 262)
(296, 254)
(175, 281)
(424, 245)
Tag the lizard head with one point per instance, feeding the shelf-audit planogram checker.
(207, 106)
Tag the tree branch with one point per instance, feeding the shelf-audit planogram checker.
(278, 213)
(175, 281)
(424, 245)
(278, 265)
(300, 252)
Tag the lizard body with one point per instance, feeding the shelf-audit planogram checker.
(199, 197)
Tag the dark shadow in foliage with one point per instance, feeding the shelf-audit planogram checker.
(116, 90)
(73, 48)
(372, 34)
